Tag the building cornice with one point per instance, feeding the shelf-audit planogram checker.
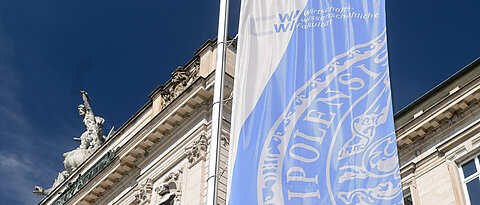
(441, 91)
(435, 131)
(440, 116)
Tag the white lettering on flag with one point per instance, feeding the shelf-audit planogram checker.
(312, 118)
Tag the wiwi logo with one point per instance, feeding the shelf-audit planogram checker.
(287, 21)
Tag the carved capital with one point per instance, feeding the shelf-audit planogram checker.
(198, 150)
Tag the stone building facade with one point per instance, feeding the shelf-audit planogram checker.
(160, 155)
(438, 142)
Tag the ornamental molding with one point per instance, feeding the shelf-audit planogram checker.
(225, 139)
(175, 129)
(143, 193)
(181, 79)
(430, 119)
(108, 191)
(436, 135)
(197, 151)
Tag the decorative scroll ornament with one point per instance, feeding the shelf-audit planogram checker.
(144, 193)
(170, 190)
(198, 150)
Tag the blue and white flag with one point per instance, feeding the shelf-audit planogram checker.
(312, 116)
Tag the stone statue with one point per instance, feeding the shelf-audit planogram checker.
(170, 191)
(60, 178)
(90, 141)
(93, 137)
(166, 193)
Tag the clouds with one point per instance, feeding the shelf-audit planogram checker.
(10, 162)
(18, 173)
(17, 168)
(13, 120)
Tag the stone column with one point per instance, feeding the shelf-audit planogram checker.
(414, 192)
(456, 182)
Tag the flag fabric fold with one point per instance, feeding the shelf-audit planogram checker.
(312, 117)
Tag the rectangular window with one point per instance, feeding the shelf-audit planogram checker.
(407, 199)
(470, 172)
(407, 196)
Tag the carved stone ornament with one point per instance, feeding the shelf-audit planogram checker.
(198, 150)
(225, 139)
(170, 191)
(60, 178)
(143, 194)
(181, 79)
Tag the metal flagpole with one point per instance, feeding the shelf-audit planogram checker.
(212, 180)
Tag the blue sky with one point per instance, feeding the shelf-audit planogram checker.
(119, 51)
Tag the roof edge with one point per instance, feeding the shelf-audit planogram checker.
(437, 88)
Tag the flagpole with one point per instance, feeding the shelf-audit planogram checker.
(217, 107)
